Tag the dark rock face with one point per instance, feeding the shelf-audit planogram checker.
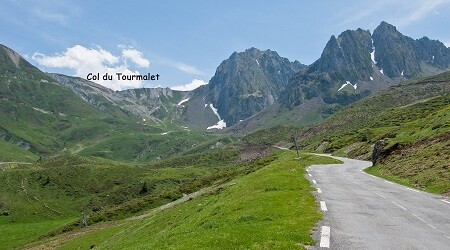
(377, 150)
(248, 82)
(346, 58)
(348, 55)
(396, 53)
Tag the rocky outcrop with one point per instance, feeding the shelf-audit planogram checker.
(377, 150)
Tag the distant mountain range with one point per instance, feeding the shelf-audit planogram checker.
(250, 90)
(353, 65)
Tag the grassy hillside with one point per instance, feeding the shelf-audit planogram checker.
(270, 208)
(48, 197)
(389, 108)
(39, 117)
(54, 119)
(413, 120)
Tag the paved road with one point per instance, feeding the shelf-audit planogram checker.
(365, 212)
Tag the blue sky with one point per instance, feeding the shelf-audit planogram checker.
(187, 40)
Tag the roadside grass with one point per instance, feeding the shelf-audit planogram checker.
(425, 166)
(272, 207)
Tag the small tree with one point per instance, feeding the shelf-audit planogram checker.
(144, 188)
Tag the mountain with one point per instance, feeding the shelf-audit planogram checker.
(34, 108)
(43, 115)
(155, 104)
(246, 83)
(358, 63)
(353, 65)
(399, 55)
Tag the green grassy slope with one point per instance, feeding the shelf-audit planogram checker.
(423, 165)
(56, 190)
(270, 208)
(413, 119)
(39, 117)
(387, 109)
(37, 113)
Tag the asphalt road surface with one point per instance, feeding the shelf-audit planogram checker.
(366, 212)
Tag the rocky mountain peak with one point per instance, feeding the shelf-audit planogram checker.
(11, 63)
(386, 28)
(347, 55)
(357, 63)
(399, 55)
(249, 81)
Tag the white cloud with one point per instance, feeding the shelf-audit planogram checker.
(190, 86)
(188, 68)
(180, 66)
(97, 60)
(135, 56)
(399, 13)
(419, 10)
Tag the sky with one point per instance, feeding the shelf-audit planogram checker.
(184, 41)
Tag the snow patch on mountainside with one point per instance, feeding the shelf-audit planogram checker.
(42, 110)
(221, 123)
(372, 55)
(183, 101)
(347, 83)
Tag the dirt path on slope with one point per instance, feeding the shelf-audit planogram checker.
(57, 241)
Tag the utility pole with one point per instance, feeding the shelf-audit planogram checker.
(296, 147)
(83, 219)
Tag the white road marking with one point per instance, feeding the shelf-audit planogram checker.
(325, 237)
(415, 215)
(310, 175)
(446, 201)
(398, 205)
(319, 190)
(380, 195)
(413, 190)
(323, 206)
(314, 181)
